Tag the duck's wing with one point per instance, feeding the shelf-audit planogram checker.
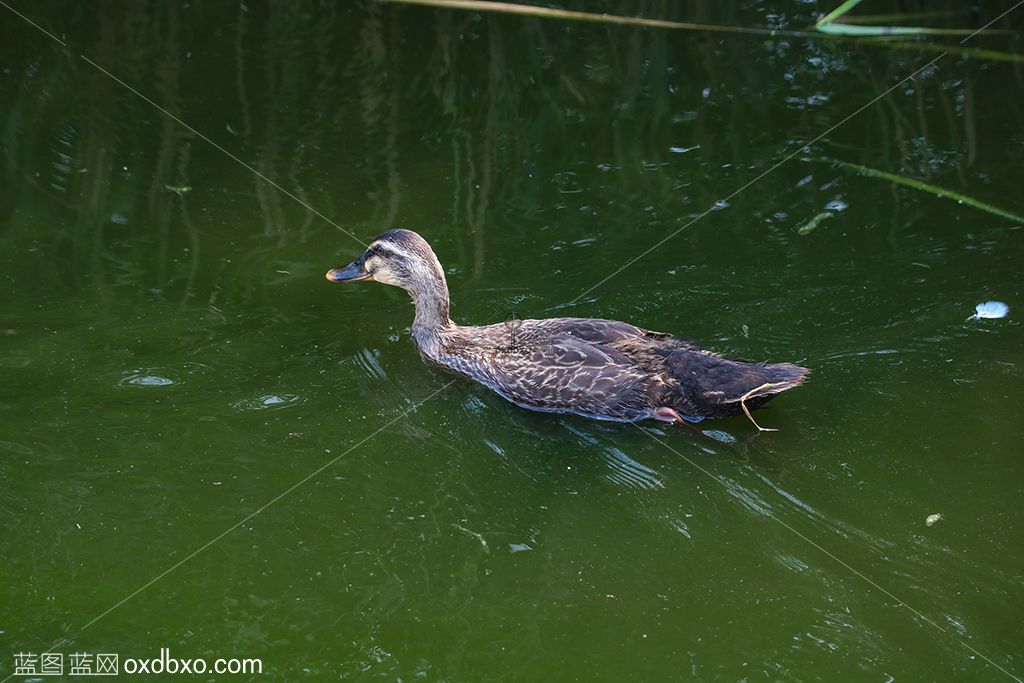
(566, 373)
(593, 330)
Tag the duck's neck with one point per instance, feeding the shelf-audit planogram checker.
(431, 300)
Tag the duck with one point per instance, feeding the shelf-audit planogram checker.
(591, 367)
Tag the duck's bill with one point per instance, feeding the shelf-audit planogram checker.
(350, 273)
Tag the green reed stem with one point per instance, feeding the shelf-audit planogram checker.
(922, 186)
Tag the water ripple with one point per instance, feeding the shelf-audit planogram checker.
(147, 377)
(15, 448)
(368, 360)
(748, 497)
(627, 471)
(268, 402)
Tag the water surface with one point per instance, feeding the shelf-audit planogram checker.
(172, 359)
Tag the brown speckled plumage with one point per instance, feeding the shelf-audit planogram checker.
(602, 369)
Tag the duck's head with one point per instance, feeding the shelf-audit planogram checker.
(398, 257)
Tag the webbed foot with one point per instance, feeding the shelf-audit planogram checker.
(666, 414)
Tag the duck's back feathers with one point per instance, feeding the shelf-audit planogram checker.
(547, 368)
(608, 369)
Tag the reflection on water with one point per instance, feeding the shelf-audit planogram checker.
(173, 360)
(482, 112)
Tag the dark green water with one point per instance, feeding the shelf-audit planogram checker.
(172, 361)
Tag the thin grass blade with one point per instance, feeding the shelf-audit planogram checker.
(837, 12)
(924, 187)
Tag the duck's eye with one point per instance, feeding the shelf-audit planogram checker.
(379, 252)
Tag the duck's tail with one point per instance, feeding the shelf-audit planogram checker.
(717, 387)
(778, 377)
